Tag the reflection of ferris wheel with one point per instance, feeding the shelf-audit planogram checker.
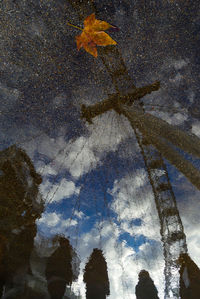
(171, 226)
(150, 134)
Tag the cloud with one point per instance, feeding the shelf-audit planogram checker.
(79, 214)
(57, 192)
(54, 223)
(133, 199)
(82, 154)
(196, 128)
(9, 97)
(179, 64)
(47, 146)
(173, 119)
(81, 157)
(75, 155)
(44, 169)
(68, 222)
(104, 136)
(49, 219)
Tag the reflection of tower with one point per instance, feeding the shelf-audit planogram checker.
(20, 206)
(96, 276)
(145, 289)
(172, 233)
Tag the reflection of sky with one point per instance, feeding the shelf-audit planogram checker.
(94, 182)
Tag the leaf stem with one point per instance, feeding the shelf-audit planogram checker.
(74, 26)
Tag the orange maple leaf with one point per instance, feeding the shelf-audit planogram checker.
(93, 34)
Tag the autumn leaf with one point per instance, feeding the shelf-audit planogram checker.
(93, 34)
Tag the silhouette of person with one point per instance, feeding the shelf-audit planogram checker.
(96, 276)
(189, 278)
(20, 248)
(145, 289)
(59, 269)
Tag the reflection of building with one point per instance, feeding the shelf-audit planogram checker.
(20, 206)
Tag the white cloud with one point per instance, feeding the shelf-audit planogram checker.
(179, 64)
(104, 136)
(57, 192)
(44, 169)
(49, 219)
(79, 214)
(196, 128)
(133, 199)
(68, 222)
(80, 158)
(49, 147)
(175, 119)
(54, 223)
(81, 155)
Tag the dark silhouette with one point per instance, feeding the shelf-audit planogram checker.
(145, 289)
(2, 258)
(59, 269)
(96, 276)
(189, 278)
(20, 206)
